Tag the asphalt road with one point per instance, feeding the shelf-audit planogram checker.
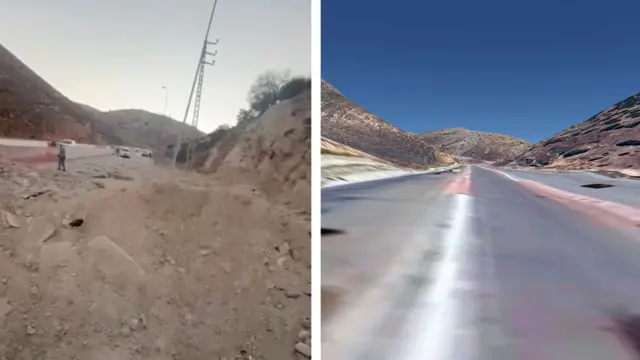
(499, 273)
(624, 191)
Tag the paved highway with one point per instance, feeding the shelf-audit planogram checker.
(625, 191)
(477, 266)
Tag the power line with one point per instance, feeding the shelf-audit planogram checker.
(197, 84)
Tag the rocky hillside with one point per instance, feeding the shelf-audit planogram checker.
(139, 128)
(350, 124)
(476, 145)
(274, 151)
(31, 108)
(609, 139)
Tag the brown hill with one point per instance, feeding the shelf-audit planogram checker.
(609, 139)
(350, 124)
(274, 152)
(476, 145)
(141, 128)
(31, 108)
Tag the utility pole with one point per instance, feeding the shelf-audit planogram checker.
(196, 105)
(197, 81)
(166, 99)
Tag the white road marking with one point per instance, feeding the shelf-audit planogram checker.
(511, 177)
(434, 328)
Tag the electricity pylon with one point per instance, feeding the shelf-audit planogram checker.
(197, 85)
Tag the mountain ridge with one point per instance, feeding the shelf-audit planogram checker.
(31, 108)
(608, 139)
(348, 123)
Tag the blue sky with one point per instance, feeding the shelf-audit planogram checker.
(522, 68)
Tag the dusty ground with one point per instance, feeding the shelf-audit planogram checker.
(165, 265)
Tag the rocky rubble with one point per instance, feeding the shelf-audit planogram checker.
(190, 268)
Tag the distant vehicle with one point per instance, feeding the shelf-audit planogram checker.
(67, 142)
(147, 153)
(123, 153)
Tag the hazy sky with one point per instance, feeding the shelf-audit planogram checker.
(116, 54)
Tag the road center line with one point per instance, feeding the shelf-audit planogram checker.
(437, 311)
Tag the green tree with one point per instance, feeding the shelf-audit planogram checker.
(265, 90)
(294, 87)
(244, 116)
(270, 88)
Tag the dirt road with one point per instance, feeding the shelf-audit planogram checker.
(164, 265)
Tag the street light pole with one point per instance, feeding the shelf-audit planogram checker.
(166, 99)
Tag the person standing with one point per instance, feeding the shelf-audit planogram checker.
(62, 156)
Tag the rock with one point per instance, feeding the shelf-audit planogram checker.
(303, 349)
(24, 182)
(134, 324)
(34, 290)
(292, 294)
(76, 222)
(205, 252)
(31, 330)
(306, 323)
(115, 263)
(125, 331)
(41, 231)
(34, 194)
(10, 220)
(283, 248)
(117, 176)
(98, 184)
(304, 335)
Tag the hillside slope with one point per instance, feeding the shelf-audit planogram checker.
(274, 151)
(477, 145)
(31, 108)
(142, 128)
(350, 124)
(609, 139)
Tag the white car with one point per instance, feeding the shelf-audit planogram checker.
(67, 142)
(123, 153)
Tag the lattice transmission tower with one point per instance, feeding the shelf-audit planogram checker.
(197, 88)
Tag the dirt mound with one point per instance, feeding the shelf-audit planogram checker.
(273, 152)
(607, 140)
(476, 145)
(350, 124)
(183, 270)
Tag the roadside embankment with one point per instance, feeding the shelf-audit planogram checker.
(338, 169)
